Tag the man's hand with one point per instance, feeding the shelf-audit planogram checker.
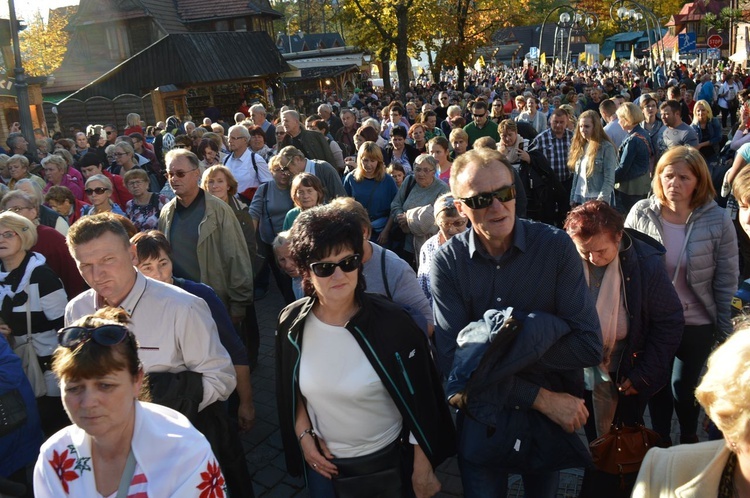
(524, 156)
(423, 480)
(246, 416)
(565, 410)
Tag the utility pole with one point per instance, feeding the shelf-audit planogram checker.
(22, 88)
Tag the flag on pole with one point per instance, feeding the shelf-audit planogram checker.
(632, 54)
(612, 59)
(590, 60)
(676, 54)
(655, 53)
(543, 59)
(582, 57)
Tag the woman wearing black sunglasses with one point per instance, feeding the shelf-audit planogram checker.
(360, 402)
(99, 191)
(118, 444)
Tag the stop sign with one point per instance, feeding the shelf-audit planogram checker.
(714, 41)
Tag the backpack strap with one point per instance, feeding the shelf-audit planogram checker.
(255, 166)
(384, 274)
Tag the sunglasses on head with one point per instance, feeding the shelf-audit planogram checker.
(105, 335)
(347, 265)
(97, 190)
(484, 200)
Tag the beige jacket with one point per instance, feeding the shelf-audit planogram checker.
(685, 471)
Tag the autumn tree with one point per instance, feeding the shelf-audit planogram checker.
(43, 44)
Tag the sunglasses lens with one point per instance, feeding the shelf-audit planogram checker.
(350, 264)
(482, 201)
(71, 337)
(109, 335)
(323, 270)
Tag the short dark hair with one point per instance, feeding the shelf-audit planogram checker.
(320, 231)
(672, 104)
(149, 244)
(58, 193)
(398, 131)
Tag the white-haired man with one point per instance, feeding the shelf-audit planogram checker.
(258, 115)
(248, 168)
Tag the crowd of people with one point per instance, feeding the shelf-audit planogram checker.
(539, 253)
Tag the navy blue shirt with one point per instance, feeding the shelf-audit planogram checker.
(541, 271)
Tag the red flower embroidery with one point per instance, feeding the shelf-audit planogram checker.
(213, 482)
(62, 464)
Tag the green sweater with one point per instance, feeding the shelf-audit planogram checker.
(489, 130)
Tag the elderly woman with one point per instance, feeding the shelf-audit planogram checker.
(353, 445)
(118, 441)
(307, 192)
(4, 172)
(411, 209)
(639, 312)
(125, 159)
(708, 129)
(449, 223)
(714, 468)
(99, 190)
(18, 167)
(63, 202)
(144, 208)
(210, 153)
(54, 170)
(702, 261)
(633, 174)
(268, 210)
(32, 307)
(258, 144)
(43, 215)
(374, 189)
(593, 160)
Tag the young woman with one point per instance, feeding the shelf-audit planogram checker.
(593, 160)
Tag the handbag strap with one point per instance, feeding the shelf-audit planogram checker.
(28, 318)
(127, 476)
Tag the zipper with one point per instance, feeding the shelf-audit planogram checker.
(294, 398)
(398, 392)
(403, 372)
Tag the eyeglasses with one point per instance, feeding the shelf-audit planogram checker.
(8, 235)
(119, 154)
(135, 183)
(479, 115)
(236, 138)
(105, 335)
(97, 190)
(285, 170)
(17, 209)
(280, 133)
(179, 173)
(458, 224)
(347, 265)
(423, 170)
(484, 200)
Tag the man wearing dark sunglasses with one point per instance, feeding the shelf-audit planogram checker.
(482, 125)
(506, 262)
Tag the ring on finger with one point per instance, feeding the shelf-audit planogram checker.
(315, 465)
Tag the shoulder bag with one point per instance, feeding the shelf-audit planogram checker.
(29, 359)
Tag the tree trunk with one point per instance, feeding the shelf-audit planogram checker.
(461, 22)
(385, 72)
(434, 68)
(402, 56)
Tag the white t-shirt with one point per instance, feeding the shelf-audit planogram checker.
(349, 407)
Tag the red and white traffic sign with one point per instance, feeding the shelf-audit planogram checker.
(715, 41)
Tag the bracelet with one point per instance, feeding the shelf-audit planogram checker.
(310, 431)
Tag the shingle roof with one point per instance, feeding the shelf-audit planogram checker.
(191, 59)
(198, 10)
(165, 14)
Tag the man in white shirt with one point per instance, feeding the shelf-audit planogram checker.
(248, 168)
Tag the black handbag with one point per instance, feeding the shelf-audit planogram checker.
(377, 475)
(12, 412)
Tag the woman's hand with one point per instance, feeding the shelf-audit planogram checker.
(383, 238)
(316, 458)
(626, 388)
(423, 480)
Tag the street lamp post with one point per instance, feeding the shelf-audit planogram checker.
(288, 34)
(22, 88)
(632, 15)
(571, 20)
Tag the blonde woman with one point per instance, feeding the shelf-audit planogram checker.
(133, 124)
(708, 129)
(374, 189)
(593, 160)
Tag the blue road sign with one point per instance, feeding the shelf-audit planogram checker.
(686, 42)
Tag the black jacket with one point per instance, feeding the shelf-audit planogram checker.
(397, 350)
(411, 153)
(654, 312)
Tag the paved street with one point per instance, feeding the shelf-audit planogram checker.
(263, 444)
